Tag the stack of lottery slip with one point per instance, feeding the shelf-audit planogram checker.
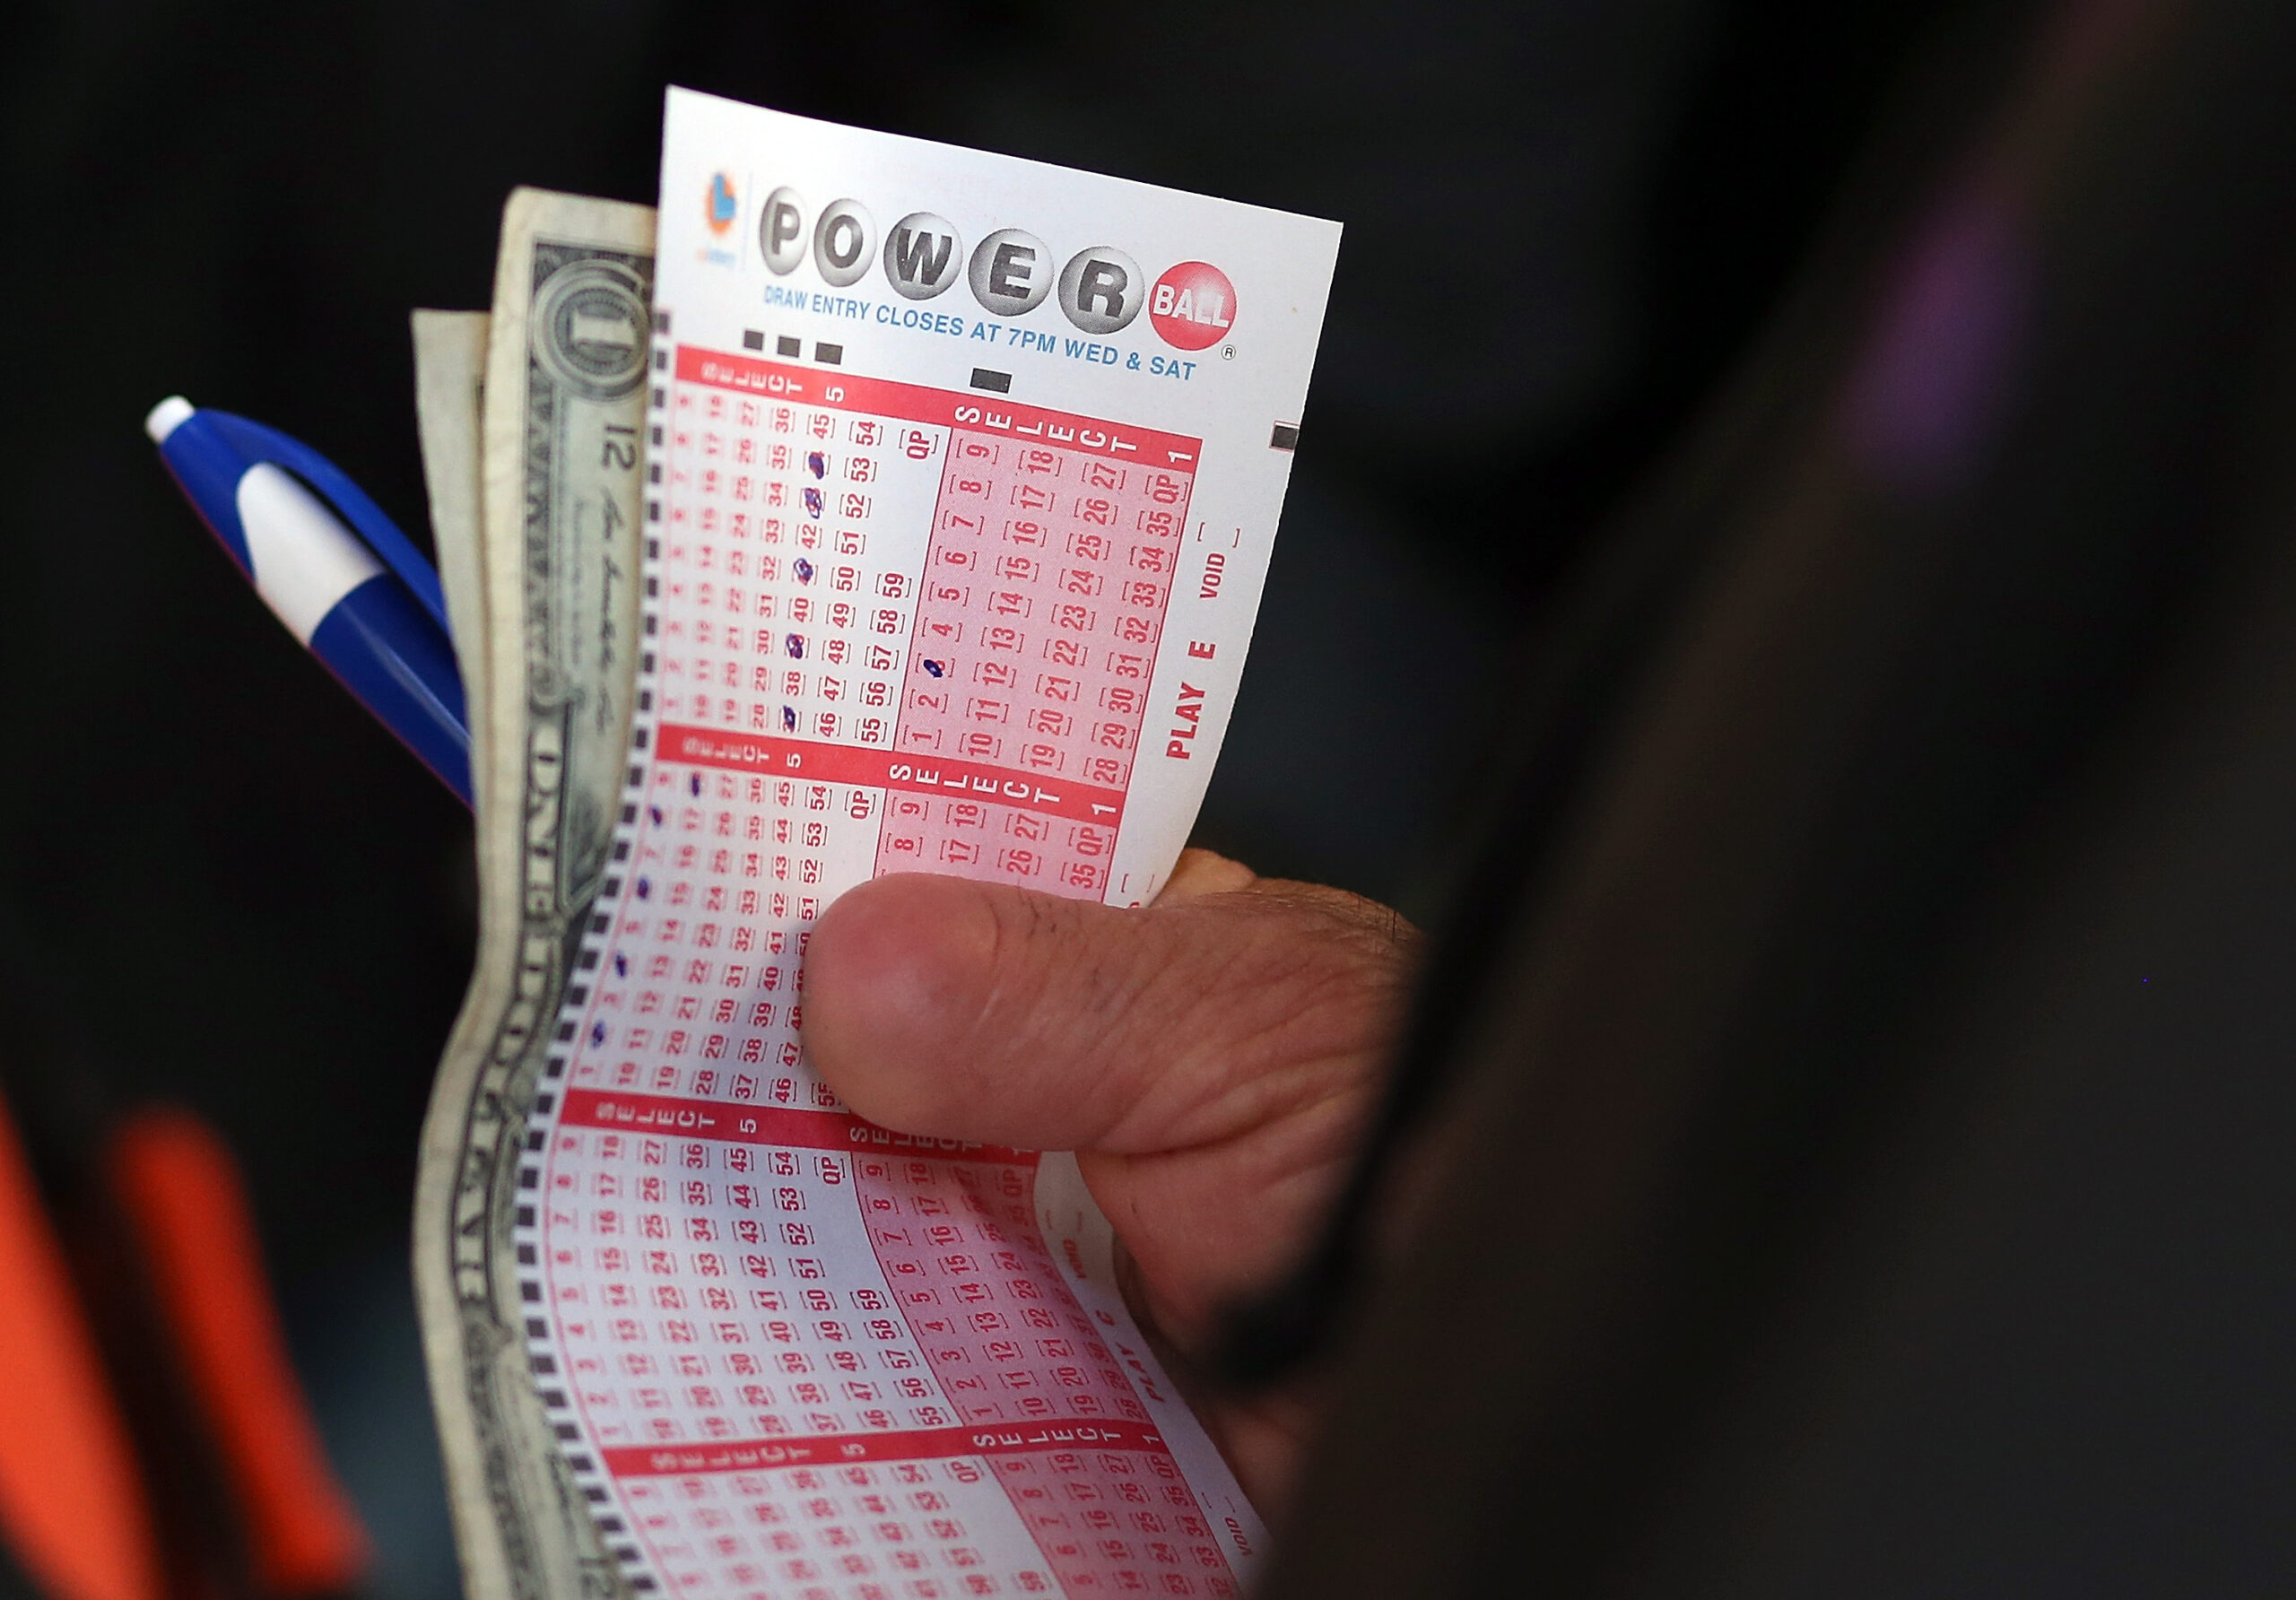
(882, 507)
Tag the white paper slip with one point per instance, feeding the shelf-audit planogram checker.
(963, 477)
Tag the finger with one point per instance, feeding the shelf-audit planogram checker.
(977, 1011)
(1199, 873)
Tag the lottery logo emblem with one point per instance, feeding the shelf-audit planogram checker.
(1192, 305)
(721, 206)
(1100, 291)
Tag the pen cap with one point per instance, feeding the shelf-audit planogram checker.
(208, 451)
(333, 567)
(166, 417)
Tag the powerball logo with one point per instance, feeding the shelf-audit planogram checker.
(720, 207)
(1100, 289)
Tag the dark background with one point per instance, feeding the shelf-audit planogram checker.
(1565, 219)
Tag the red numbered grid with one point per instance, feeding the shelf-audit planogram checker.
(1024, 562)
(694, 1295)
(1043, 600)
(816, 1359)
(787, 605)
(909, 1530)
(698, 992)
(960, 1245)
(699, 1262)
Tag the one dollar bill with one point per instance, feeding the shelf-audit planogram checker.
(534, 465)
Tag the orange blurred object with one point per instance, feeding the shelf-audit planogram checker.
(72, 1500)
(190, 1217)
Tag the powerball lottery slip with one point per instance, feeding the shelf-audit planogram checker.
(962, 473)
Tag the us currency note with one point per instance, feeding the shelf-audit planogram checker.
(450, 396)
(548, 530)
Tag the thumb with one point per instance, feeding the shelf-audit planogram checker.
(957, 1009)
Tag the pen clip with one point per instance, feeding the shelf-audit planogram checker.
(369, 520)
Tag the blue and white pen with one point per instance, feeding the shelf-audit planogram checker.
(360, 598)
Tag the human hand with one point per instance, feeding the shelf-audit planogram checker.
(1213, 1060)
